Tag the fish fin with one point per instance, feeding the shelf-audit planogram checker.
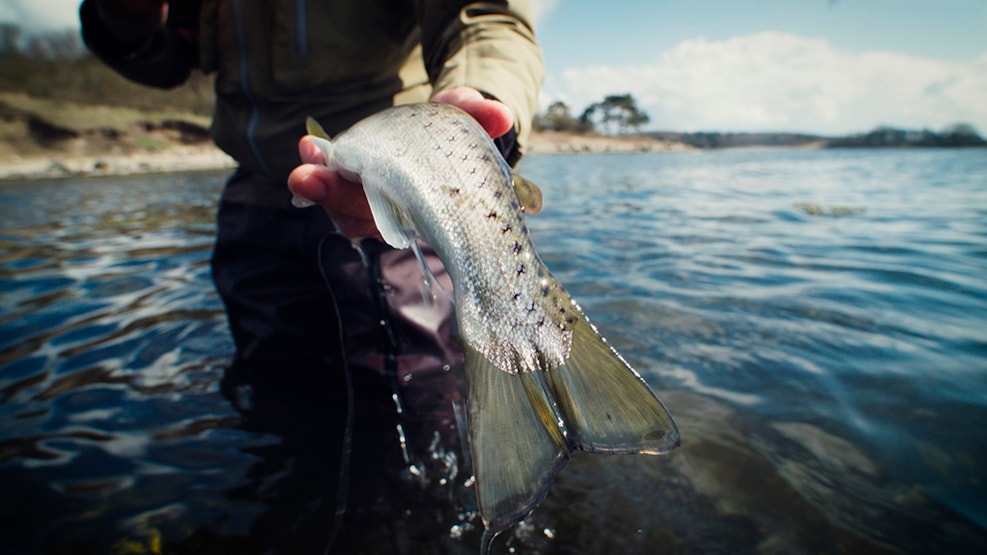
(313, 128)
(430, 282)
(393, 221)
(607, 406)
(516, 444)
(528, 194)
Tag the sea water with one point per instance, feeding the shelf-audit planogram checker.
(816, 320)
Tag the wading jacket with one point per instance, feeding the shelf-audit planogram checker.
(278, 61)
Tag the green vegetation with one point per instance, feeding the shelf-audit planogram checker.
(959, 135)
(558, 118)
(55, 96)
(619, 114)
(710, 140)
(57, 67)
(615, 114)
(617, 110)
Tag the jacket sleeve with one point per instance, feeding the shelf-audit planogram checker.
(164, 61)
(489, 46)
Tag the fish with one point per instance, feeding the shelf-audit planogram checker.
(542, 381)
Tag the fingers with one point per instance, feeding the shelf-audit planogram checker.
(310, 153)
(494, 116)
(343, 200)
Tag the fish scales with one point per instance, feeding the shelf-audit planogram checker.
(472, 212)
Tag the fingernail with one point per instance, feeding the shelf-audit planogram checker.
(301, 202)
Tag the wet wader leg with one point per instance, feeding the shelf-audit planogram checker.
(407, 372)
(285, 378)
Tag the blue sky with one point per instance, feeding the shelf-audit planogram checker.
(579, 32)
(824, 66)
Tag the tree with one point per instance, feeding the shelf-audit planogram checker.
(961, 130)
(557, 117)
(617, 111)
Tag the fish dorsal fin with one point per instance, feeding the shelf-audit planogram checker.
(393, 221)
(528, 194)
(313, 128)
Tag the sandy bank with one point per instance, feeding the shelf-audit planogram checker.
(59, 165)
(55, 163)
(552, 142)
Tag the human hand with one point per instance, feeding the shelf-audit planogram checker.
(132, 21)
(344, 200)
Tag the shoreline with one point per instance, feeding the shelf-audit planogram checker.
(555, 142)
(61, 164)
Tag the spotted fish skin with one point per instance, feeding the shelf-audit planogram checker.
(542, 380)
(508, 305)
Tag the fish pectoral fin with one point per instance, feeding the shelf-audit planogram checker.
(393, 221)
(429, 282)
(607, 406)
(515, 442)
(528, 194)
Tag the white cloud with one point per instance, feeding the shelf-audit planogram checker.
(41, 15)
(779, 81)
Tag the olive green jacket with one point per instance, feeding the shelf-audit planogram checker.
(278, 61)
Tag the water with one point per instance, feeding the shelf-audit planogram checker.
(815, 320)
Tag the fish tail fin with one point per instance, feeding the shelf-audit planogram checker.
(524, 425)
(606, 406)
(516, 445)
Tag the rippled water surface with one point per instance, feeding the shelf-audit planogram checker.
(815, 320)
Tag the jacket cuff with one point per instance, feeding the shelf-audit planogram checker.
(102, 43)
(507, 143)
(164, 60)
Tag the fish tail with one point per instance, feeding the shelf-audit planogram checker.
(523, 426)
(606, 406)
(515, 446)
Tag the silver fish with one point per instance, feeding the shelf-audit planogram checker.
(543, 383)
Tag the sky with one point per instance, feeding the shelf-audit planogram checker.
(814, 66)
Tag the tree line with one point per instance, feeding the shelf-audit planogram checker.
(57, 66)
(615, 114)
(619, 114)
(958, 135)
